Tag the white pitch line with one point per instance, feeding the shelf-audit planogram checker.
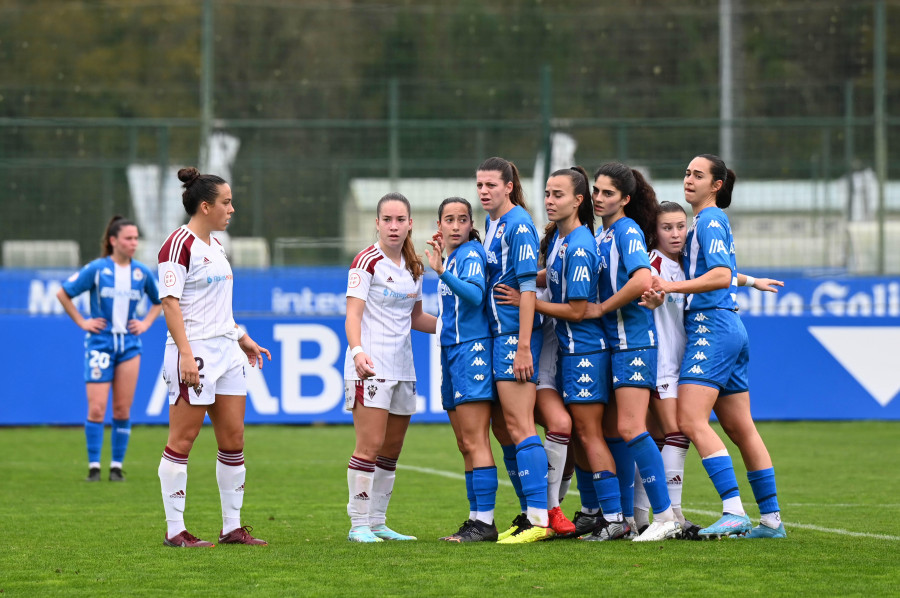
(829, 530)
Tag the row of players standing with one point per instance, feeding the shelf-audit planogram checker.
(599, 347)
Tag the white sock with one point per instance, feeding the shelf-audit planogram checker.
(556, 445)
(173, 482)
(673, 456)
(614, 517)
(359, 483)
(664, 516)
(115, 465)
(772, 520)
(641, 500)
(484, 516)
(230, 475)
(564, 487)
(641, 517)
(733, 505)
(382, 488)
(538, 516)
(587, 511)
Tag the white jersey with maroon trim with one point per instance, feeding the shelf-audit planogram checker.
(390, 294)
(669, 322)
(200, 276)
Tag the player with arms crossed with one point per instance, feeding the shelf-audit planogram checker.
(204, 359)
(384, 301)
(112, 345)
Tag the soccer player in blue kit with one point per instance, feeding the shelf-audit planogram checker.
(714, 371)
(627, 204)
(112, 347)
(511, 243)
(466, 345)
(582, 373)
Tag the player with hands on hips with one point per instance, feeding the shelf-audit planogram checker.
(205, 359)
(112, 348)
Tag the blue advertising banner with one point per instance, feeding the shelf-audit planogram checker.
(820, 349)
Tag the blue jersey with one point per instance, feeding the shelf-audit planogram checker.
(115, 290)
(463, 280)
(574, 275)
(709, 245)
(623, 251)
(512, 248)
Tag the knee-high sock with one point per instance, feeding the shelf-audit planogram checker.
(721, 472)
(674, 454)
(512, 470)
(624, 468)
(564, 485)
(93, 436)
(382, 488)
(470, 494)
(230, 475)
(173, 482)
(762, 482)
(484, 483)
(121, 434)
(641, 501)
(532, 461)
(557, 445)
(584, 480)
(653, 474)
(606, 485)
(360, 474)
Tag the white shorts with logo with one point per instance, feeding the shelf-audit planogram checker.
(394, 396)
(549, 356)
(221, 363)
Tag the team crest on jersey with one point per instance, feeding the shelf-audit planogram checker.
(137, 275)
(500, 230)
(452, 265)
(562, 250)
(607, 237)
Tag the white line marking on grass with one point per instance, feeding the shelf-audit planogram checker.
(829, 530)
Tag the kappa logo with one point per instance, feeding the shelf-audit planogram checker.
(584, 394)
(479, 377)
(513, 340)
(631, 231)
(584, 363)
(701, 329)
(511, 355)
(479, 361)
(565, 395)
(472, 253)
(636, 377)
(509, 370)
(584, 379)
(477, 347)
(701, 342)
(713, 224)
(637, 362)
(522, 229)
(700, 318)
(696, 370)
(615, 379)
(580, 252)
(458, 395)
(698, 356)
(107, 271)
(179, 494)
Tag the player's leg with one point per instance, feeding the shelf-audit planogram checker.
(97, 398)
(124, 383)
(550, 409)
(370, 427)
(674, 452)
(586, 519)
(622, 456)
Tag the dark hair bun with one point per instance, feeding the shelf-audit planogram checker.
(188, 176)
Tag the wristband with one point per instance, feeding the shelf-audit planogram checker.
(355, 351)
(241, 332)
(749, 282)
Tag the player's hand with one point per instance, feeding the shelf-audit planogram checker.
(137, 327)
(190, 373)
(435, 260)
(507, 295)
(657, 284)
(365, 368)
(767, 284)
(253, 351)
(94, 325)
(652, 299)
(593, 310)
(523, 365)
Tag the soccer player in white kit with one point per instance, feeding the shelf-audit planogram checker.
(203, 365)
(384, 301)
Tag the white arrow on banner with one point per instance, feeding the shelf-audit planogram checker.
(868, 353)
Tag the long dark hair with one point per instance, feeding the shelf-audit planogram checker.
(720, 172)
(665, 207)
(198, 188)
(473, 232)
(580, 186)
(643, 205)
(509, 173)
(413, 262)
(113, 227)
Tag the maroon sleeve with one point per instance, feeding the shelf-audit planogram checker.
(177, 248)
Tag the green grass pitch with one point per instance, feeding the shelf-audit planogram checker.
(839, 488)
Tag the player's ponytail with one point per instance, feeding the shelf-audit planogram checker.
(198, 188)
(413, 262)
(642, 206)
(720, 172)
(113, 227)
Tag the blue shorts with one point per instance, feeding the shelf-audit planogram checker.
(466, 373)
(104, 351)
(717, 353)
(584, 378)
(634, 367)
(505, 353)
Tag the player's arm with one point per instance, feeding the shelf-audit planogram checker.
(633, 289)
(365, 367)
(251, 349)
(138, 327)
(760, 284)
(715, 279)
(572, 311)
(421, 321)
(86, 324)
(190, 374)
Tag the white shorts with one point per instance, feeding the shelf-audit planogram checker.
(221, 363)
(394, 396)
(549, 356)
(667, 388)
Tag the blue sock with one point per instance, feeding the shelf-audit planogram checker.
(484, 484)
(762, 482)
(721, 472)
(624, 473)
(532, 461)
(606, 486)
(585, 482)
(653, 472)
(93, 433)
(512, 470)
(121, 434)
